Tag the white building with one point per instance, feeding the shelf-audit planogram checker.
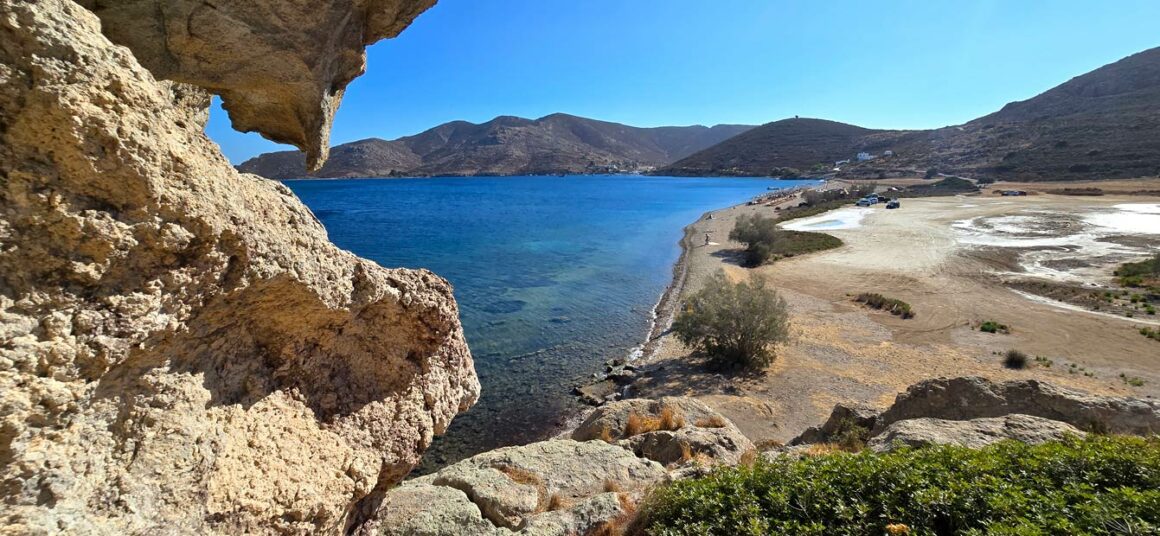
(862, 157)
(888, 153)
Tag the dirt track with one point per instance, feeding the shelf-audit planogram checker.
(844, 352)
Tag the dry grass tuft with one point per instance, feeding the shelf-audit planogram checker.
(612, 486)
(622, 524)
(559, 502)
(606, 435)
(667, 419)
(670, 419)
(686, 452)
(823, 449)
(749, 458)
(769, 444)
(715, 421)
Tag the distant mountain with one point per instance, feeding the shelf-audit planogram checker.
(558, 143)
(1104, 124)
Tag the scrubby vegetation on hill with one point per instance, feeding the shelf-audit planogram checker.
(1097, 485)
(891, 305)
(1143, 274)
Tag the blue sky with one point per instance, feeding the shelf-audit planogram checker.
(899, 64)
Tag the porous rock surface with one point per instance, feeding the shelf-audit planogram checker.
(974, 433)
(279, 66)
(703, 431)
(974, 397)
(182, 350)
(555, 487)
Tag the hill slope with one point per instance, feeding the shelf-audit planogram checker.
(558, 143)
(1104, 124)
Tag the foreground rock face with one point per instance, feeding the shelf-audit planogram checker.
(550, 487)
(975, 433)
(973, 397)
(280, 67)
(587, 483)
(181, 348)
(975, 412)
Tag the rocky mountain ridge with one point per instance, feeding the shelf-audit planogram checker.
(506, 145)
(1101, 125)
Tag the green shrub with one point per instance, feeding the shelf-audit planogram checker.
(891, 305)
(734, 323)
(1096, 485)
(765, 242)
(1134, 381)
(1014, 359)
(759, 234)
(1153, 334)
(1140, 274)
(991, 326)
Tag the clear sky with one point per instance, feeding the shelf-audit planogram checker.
(879, 64)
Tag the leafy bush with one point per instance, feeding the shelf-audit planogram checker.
(1014, 359)
(990, 326)
(734, 323)
(766, 243)
(758, 233)
(891, 305)
(1097, 485)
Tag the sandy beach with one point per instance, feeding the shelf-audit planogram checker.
(958, 261)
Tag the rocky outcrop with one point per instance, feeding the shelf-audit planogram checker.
(580, 484)
(975, 433)
(694, 430)
(973, 398)
(975, 411)
(280, 67)
(182, 350)
(551, 487)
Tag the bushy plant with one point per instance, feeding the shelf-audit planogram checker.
(759, 235)
(1014, 359)
(891, 305)
(734, 323)
(1095, 485)
(990, 326)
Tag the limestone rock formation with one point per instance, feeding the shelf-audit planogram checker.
(182, 350)
(973, 397)
(280, 67)
(975, 433)
(551, 487)
(701, 432)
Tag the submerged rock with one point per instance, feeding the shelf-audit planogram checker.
(183, 350)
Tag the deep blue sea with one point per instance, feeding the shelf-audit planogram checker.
(554, 275)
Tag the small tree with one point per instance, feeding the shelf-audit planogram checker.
(734, 323)
(930, 173)
(758, 233)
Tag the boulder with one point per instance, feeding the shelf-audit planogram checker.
(974, 433)
(550, 487)
(280, 67)
(960, 399)
(699, 431)
(184, 351)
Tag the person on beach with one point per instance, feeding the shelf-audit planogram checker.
(706, 239)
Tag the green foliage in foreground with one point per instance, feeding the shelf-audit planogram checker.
(1143, 274)
(734, 323)
(764, 242)
(1098, 485)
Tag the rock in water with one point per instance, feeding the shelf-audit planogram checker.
(182, 350)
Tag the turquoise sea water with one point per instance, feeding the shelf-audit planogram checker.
(554, 275)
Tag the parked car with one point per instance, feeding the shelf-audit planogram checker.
(893, 203)
(864, 202)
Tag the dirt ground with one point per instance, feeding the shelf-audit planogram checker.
(921, 254)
